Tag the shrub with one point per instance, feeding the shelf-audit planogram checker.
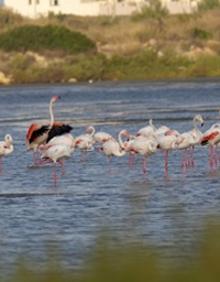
(40, 38)
(208, 5)
(153, 9)
(198, 33)
(7, 18)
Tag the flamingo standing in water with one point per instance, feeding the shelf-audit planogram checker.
(38, 134)
(56, 150)
(55, 153)
(187, 140)
(85, 142)
(212, 138)
(166, 142)
(112, 147)
(143, 146)
(6, 148)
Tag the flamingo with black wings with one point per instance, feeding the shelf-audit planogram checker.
(38, 134)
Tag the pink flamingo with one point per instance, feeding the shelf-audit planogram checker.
(212, 138)
(38, 134)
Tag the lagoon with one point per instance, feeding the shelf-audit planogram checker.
(167, 214)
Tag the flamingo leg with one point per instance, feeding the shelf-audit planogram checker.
(213, 161)
(61, 162)
(110, 164)
(54, 175)
(35, 158)
(144, 166)
(183, 161)
(131, 159)
(188, 158)
(1, 166)
(215, 157)
(192, 149)
(166, 163)
(82, 156)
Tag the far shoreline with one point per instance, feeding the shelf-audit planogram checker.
(115, 82)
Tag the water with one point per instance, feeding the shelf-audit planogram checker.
(168, 214)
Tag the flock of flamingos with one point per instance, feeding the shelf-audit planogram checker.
(53, 142)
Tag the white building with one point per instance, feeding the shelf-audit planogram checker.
(37, 8)
(180, 6)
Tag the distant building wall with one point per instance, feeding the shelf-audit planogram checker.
(180, 6)
(36, 8)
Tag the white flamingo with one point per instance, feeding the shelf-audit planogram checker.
(102, 136)
(111, 147)
(85, 141)
(145, 147)
(56, 153)
(167, 142)
(147, 131)
(6, 148)
(187, 140)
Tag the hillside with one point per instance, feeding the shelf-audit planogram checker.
(143, 46)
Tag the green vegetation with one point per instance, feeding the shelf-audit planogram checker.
(205, 5)
(41, 38)
(132, 263)
(149, 45)
(201, 33)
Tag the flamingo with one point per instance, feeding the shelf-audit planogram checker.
(147, 130)
(187, 140)
(85, 141)
(145, 147)
(111, 147)
(167, 141)
(38, 134)
(6, 148)
(55, 153)
(212, 138)
(64, 140)
(101, 137)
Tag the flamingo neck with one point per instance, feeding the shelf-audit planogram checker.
(92, 131)
(51, 113)
(195, 126)
(120, 141)
(152, 125)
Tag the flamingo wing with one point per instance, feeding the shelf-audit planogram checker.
(205, 139)
(58, 130)
(34, 134)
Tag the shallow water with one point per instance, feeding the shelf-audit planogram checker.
(168, 214)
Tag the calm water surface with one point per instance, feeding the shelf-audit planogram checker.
(168, 214)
